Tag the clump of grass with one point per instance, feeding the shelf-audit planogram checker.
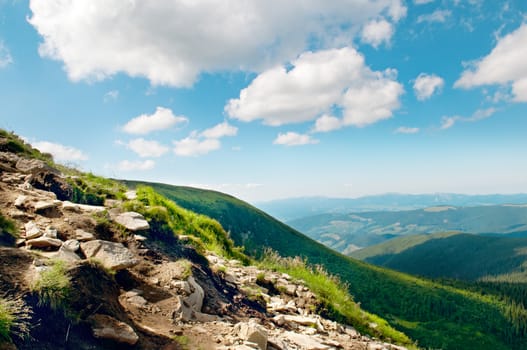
(13, 143)
(15, 319)
(53, 287)
(8, 231)
(182, 341)
(335, 301)
(92, 189)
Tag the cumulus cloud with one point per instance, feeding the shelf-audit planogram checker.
(449, 121)
(60, 152)
(99, 38)
(5, 56)
(406, 130)
(163, 118)
(327, 123)
(127, 165)
(377, 32)
(293, 139)
(421, 2)
(426, 84)
(200, 143)
(317, 82)
(146, 148)
(504, 65)
(438, 16)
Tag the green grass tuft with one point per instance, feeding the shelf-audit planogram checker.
(53, 287)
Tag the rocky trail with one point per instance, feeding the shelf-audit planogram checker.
(132, 292)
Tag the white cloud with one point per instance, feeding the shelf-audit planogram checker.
(448, 122)
(293, 139)
(316, 83)
(145, 148)
(5, 56)
(220, 130)
(426, 84)
(111, 95)
(327, 123)
(60, 152)
(127, 165)
(204, 142)
(504, 65)
(406, 130)
(171, 41)
(193, 146)
(438, 16)
(163, 118)
(377, 32)
(421, 2)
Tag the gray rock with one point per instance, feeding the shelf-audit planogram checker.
(43, 205)
(20, 201)
(107, 327)
(112, 255)
(132, 221)
(305, 342)
(50, 232)
(130, 195)
(34, 166)
(44, 242)
(72, 245)
(83, 236)
(67, 255)
(252, 332)
(32, 230)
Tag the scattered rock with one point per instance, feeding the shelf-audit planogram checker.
(43, 205)
(75, 207)
(20, 201)
(107, 327)
(252, 332)
(44, 243)
(306, 342)
(50, 232)
(112, 255)
(71, 244)
(132, 221)
(83, 236)
(67, 255)
(32, 230)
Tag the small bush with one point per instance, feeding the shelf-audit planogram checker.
(8, 232)
(54, 286)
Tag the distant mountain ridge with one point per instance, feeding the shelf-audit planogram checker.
(347, 232)
(452, 255)
(295, 208)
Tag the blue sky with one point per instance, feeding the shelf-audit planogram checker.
(267, 100)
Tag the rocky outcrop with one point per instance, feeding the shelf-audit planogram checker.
(112, 255)
(252, 332)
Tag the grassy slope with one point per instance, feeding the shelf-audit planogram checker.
(437, 316)
(461, 256)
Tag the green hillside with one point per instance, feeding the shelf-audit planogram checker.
(346, 232)
(452, 255)
(436, 316)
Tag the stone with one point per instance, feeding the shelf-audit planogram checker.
(83, 236)
(302, 320)
(181, 286)
(139, 238)
(32, 230)
(72, 245)
(137, 301)
(20, 201)
(67, 255)
(43, 205)
(132, 221)
(112, 255)
(75, 207)
(195, 299)
(252, 332)
(189, 308)
(130, 195)
(44, 242)
(305, 342)
(50, 232)
(107, 327)
(34, 166)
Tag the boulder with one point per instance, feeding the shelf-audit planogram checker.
(252, 332)
(112, 255)
(132, 221)
(72, 245)
(43, 205)
(75, 207)
(107, 327)
(32, 230)
(83, 236)
(50, 232)
(67, 255)
(20, 201)
(306, 342)
(44, 243)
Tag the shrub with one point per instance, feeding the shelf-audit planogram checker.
(53, 287)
